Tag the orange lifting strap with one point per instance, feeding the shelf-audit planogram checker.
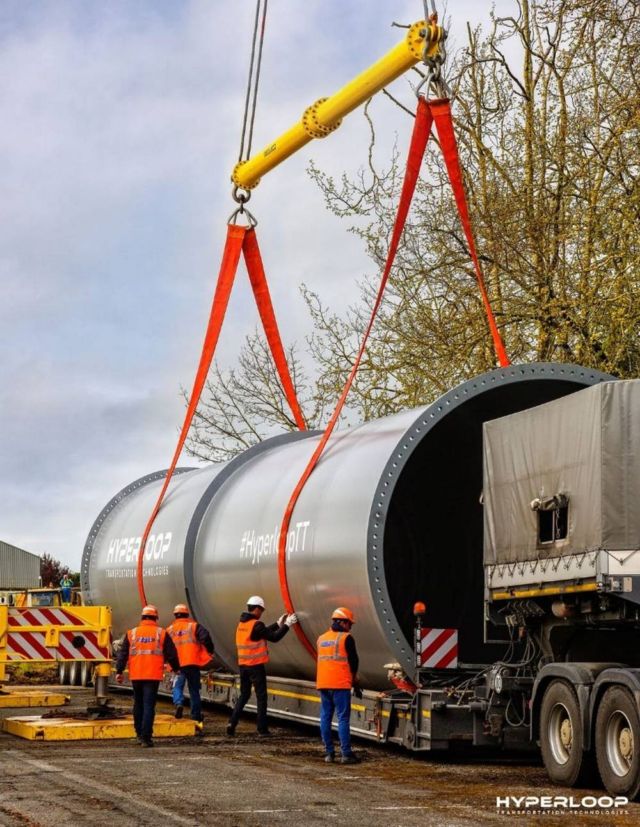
(239, 239)
(428, 112)
(243, 239)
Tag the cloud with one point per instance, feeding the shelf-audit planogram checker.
(121, 125)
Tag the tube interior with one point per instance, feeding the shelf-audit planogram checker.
(433, 539)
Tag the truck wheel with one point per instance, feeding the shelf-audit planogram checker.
(74, 673)
(562, 737)
(618, 742)
(63, 672)
(86, 668)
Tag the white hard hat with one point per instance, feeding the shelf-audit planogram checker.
(256, 600)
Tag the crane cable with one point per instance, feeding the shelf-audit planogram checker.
(241, 239)
(251, 98)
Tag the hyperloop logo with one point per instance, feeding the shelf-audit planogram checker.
(530, 805)
(126, 549)
(255, 546)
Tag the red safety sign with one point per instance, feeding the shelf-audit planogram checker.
(438, 648)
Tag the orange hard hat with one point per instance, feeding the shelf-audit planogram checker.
(181, 609)
(342, 613)
(150, 611)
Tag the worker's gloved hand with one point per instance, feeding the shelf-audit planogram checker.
(119, 678)
(357, 691)
(291, 619)
(282, 619)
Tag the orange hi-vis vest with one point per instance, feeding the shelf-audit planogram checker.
(250, 652)
(334, 671)
(190, 651)
(146, 661)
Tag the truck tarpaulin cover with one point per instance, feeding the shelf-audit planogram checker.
(585, 446)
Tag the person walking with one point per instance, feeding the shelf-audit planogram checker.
(195, 650)
(253, 653)
(146, 648)
(337, 675)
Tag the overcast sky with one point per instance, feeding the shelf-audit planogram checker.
(120, 126)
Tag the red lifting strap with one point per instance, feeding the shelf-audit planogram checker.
(441, 111)
(239, 239)
(428, 112)
(419, 138)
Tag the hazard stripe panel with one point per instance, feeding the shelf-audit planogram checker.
(51, 634)
(438, 648)
(44, 617)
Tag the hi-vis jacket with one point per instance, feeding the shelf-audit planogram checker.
(334, 670)
(250, 652)
(251, 639)
(146, 648)
(146, 658)
(192, 651)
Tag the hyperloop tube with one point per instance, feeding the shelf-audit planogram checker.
(390, 516)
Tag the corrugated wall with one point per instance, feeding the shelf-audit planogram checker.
(19, 569)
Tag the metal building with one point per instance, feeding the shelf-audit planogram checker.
(19, 569)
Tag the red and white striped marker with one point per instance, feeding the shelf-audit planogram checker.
(438, 648)
(31, 645)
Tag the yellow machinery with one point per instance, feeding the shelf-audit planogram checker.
(54, 634)
(423, 43)
(50, 634)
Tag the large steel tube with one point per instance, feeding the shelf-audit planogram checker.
(391, 515)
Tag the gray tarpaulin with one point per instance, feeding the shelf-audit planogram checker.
(585, 446)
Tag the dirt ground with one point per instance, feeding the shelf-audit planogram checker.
(216, 780)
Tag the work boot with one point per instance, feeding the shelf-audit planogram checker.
(147, 742)
(329, 758)
(264, 733)
(199, 728)
(350, 758)
(179, 711)
(231, 730)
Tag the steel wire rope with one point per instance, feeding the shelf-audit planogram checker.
(233, 249)
(251, 97)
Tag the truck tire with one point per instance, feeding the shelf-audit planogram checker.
(562, 737)
(63, 672)
(86, 672)
(74, 673)
(618, 742)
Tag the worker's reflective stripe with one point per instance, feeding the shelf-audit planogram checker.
(140, 643)
(335, 655)
(146, 658)
(250, 652)
(333, 667)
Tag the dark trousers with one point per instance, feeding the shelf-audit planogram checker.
(145, 694)
(255, 676)
(191, 676)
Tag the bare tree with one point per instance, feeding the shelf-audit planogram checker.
(549, 143)
(247, 404)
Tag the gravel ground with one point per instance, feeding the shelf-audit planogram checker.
(216, 780)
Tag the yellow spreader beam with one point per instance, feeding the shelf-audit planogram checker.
(325, 115)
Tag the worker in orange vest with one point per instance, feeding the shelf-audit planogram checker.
(195, 650)
(337, 675)
(251, 642)
(146, 648)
